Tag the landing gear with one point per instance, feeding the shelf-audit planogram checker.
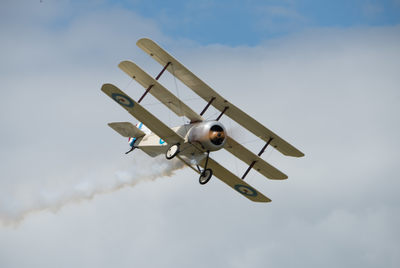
(172, 151)
(205, 176)
(207, 173)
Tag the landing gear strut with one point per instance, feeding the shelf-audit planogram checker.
(172, 151)
(207, 173)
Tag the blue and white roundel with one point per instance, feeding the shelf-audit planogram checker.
(245, 190)
(122, 99)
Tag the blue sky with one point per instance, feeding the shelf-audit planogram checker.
(233, 22)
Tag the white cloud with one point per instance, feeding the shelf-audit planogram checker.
(332, 93)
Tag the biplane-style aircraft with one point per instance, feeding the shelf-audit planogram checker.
(192, 143)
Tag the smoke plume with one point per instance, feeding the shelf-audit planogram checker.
(15, 208)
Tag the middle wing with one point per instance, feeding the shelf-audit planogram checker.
(180, 108)
(248, 157)
(159, 91)
(140, 113)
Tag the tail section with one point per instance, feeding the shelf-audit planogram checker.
(126, 129)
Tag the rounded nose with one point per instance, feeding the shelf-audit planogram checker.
(217, 137)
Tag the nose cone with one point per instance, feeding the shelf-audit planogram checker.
(217, 135)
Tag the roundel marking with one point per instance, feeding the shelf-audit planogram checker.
(245, 190)
(131, 141)
(162, 141)
(122, 99)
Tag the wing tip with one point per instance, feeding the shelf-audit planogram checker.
(279, 178)
(144, 40)
(300, 154)
(124, 62)
(106, 86)
(296, 153)
(129, 68)
(264, 200)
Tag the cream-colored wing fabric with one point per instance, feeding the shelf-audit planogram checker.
(126, 129)
(136, 110)
(248, 157)
(159, 91)
(233, 181)
(220, 103)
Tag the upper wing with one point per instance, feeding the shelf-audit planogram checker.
(135, 109)
(233, 181)
(207, 93)
(248, 157)
(159, 91)
(126, 129)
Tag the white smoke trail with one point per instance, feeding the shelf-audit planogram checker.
(13, 212)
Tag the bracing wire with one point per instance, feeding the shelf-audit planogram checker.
(177, 94)
(236, 160)
(129, 83)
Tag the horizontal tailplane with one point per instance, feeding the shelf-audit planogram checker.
(126, 129)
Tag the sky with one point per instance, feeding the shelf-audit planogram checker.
(323, 75)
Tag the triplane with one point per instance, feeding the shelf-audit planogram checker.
(193, 142)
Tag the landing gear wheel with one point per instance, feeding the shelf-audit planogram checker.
(172, 151)
(205, 176)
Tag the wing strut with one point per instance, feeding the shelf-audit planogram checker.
(222, 113)
(254, 162)
(208, 105)
(158, 76)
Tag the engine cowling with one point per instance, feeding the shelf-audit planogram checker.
(210, 134)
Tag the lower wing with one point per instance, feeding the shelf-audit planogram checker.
(231, 180)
